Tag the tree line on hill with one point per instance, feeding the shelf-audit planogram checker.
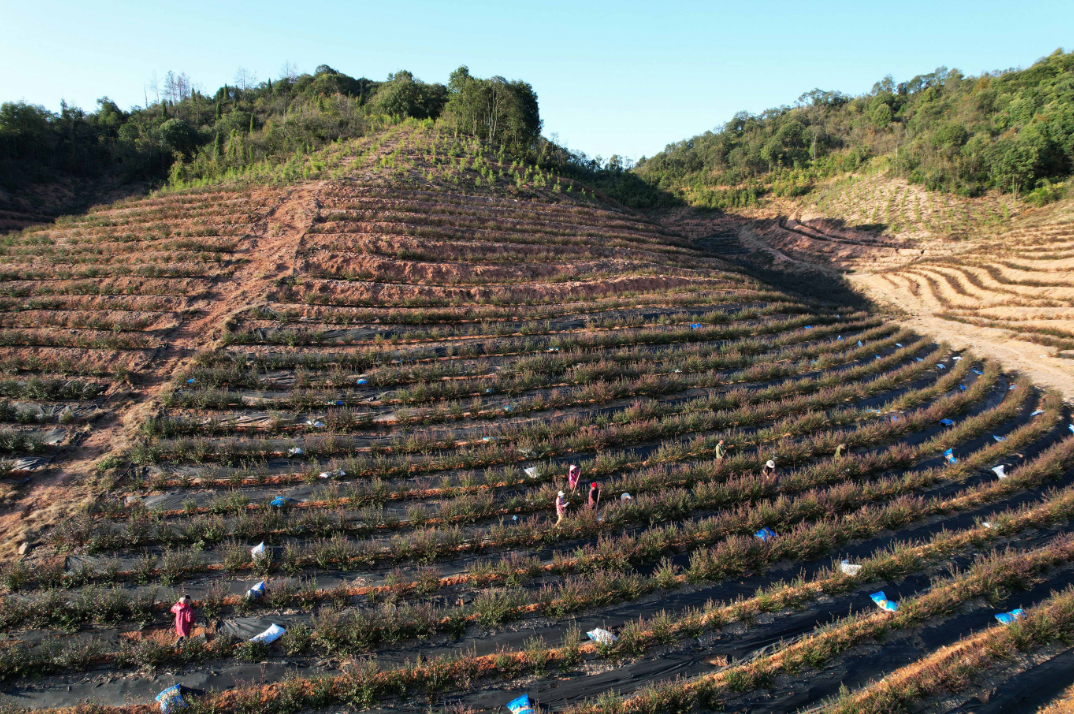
(208, 135)
(1011, 130)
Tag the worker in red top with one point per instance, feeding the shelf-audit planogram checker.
(594, 496)
(184, 618)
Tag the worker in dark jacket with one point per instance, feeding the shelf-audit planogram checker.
(594, 496)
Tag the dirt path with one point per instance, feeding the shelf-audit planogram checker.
(1033, 360)
(270, 250)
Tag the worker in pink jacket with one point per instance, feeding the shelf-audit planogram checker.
(573, 474)
(184, 618)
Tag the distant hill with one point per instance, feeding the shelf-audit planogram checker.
(1010, 131)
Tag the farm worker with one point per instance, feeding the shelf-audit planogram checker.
(184, 618)
(573, 474)
(840, 450)
(594, 496)
(561, 507)
(769, 471)
(720, 450)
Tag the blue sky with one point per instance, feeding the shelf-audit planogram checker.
(612, 77)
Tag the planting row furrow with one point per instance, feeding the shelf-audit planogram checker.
(378, 466)
(997, 571)
(576, 434)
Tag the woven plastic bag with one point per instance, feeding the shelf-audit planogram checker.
(171, 699)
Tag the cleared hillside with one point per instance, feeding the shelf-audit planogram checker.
(383, 375)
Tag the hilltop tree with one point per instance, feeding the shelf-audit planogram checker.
(494, 109)
(404, 96)
(245, 79)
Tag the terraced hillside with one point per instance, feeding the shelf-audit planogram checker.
(1018, 281)
(383, 377)
(989, 274)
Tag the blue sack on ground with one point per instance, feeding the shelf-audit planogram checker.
(695, 326)
(951, 458)
(947, 422)
(882, 601)
(171, 699)
(256, 591)
(280, 501)
(521, 705)
(765, 533)
(363, 381)
(1008, 617)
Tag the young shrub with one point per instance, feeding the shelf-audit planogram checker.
(280, 593)
(537, 655)
(666, 575)
(212, 605)
(252, 651)
(495, 607)
(144, 568)
(236, 555)
(291, 559)
(297, 639)
(428, 580)
(16, 575)
(663, 627)
(570, 648)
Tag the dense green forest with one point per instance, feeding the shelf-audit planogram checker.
(188, 135)
(1011, 130)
